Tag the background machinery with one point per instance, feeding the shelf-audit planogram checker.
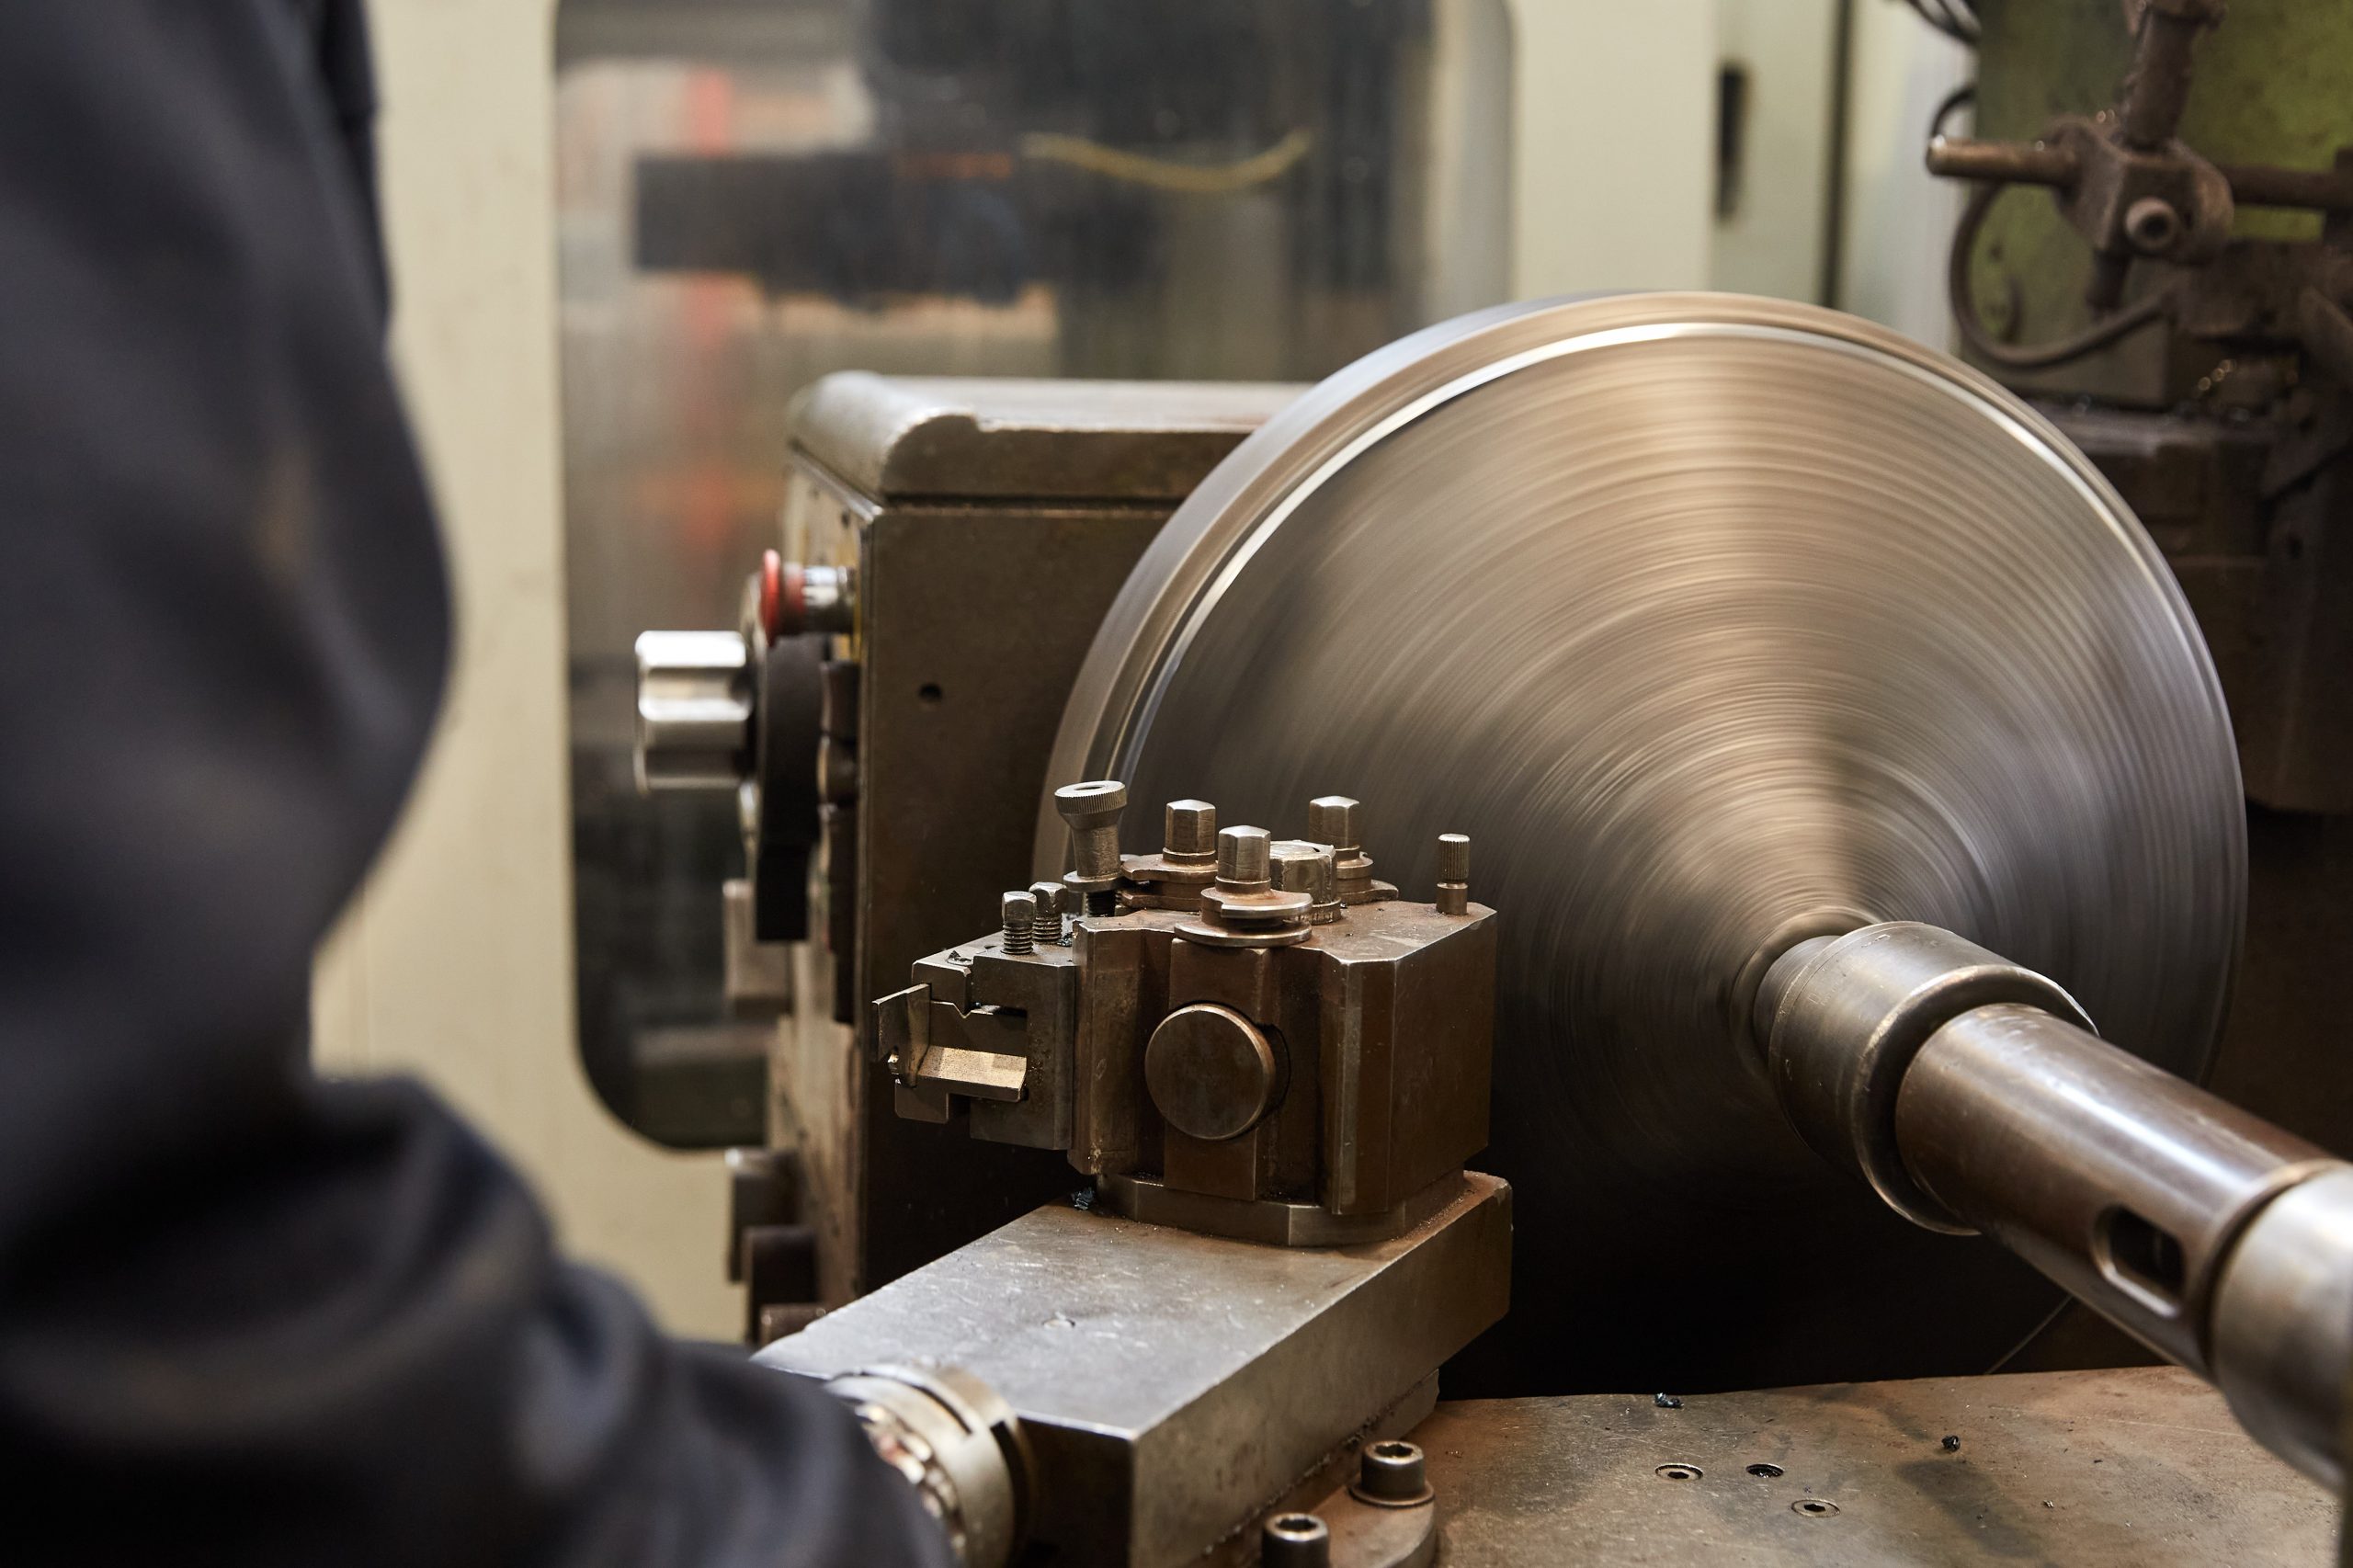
(1862, 873)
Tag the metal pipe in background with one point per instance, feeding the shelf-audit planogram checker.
(2014, 162)
(1947, 1078)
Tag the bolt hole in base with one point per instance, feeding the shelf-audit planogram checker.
(1768, 1471)
(1813, 1507)
(1680, 1472)
(929, 694)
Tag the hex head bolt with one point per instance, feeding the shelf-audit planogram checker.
(1189, 833)
(1245, 859)
(1302, 867)
(1339, 821)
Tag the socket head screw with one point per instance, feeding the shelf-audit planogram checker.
(1093, 809)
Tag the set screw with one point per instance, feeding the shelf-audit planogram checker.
(1020, 912)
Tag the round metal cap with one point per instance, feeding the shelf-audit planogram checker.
(694, 710)
(1211, 1072)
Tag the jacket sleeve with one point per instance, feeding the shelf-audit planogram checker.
(247, 1317)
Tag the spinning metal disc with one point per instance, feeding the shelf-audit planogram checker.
(1697, 613)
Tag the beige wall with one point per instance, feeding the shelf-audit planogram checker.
(1772, 244)
(1614, 135)
(456, 962)
(1899, 218)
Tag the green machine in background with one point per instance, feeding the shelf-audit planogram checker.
(2174, 296)
(2270, 89)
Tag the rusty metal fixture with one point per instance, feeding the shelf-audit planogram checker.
(1019, 912)
(1047, 929)
(1339, 821)
(2136, 193)
(1295, 1541)
(1171, 1383)
(1242, 907)
(1186, 863)
(1244, 859)
(1308, 868)
(1187, 1093)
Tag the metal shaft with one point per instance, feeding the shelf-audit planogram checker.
(1936, 1070)
(2156, 89)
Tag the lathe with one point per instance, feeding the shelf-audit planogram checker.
(1615, 853)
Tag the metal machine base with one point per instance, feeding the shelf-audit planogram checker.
(1174, 1387)
(2138, 1468)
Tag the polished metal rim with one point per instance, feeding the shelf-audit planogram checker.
(1212, 538)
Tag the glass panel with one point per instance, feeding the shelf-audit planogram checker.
(754, 193)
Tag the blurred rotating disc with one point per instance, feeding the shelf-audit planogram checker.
(1697, 613)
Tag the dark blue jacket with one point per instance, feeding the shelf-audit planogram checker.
(247, 1317)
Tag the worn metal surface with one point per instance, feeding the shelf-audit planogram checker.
(975, 617)
(1380, 1029)
(1211, 1072)
(914, 437)
(1697, 613)
(2124, 1184)
(1360, 1533)
(2137, 1468)
(2281, 1332)
(989, 999)
(1270, 1221)
(1175, 1386)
